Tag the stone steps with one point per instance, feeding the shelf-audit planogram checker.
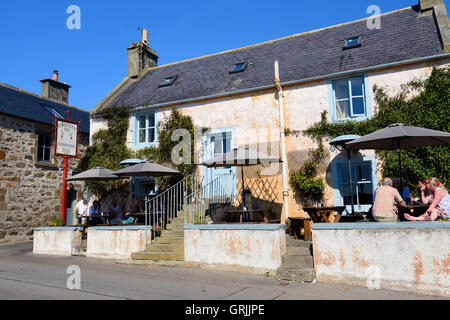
(80, 250)
(146, 255)
(167, 248)
(298, 262)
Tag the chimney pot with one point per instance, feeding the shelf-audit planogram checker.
(145, 36)
(55, 75)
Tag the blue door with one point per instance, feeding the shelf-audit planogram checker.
(363, 183)
(217, 142)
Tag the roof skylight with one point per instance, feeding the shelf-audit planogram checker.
(168, 81)
(53, 112)
(352, 42)
(239, 67)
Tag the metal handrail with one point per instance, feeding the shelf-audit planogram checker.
(164, 208)
(207, 198)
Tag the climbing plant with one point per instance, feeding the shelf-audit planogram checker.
(305, 180)
(420, 103)
(108, 149)
(163, 152)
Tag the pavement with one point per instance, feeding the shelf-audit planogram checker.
(26, 276)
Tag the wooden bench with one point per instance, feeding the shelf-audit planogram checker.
(297, 224)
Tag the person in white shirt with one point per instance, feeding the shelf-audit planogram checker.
(116, 211)
(82, 210)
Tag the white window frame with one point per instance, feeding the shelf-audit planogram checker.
(137, 144)
(365, 96)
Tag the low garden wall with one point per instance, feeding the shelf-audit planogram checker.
(117, 242)
(401, 256)
(59, 241)
(240, 248)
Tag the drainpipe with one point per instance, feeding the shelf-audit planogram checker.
(283, 147)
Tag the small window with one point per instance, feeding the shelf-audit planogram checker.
(168, 81)
(353, 42)
(44, 147)
(146, 130)
(349, 98)
(240, 67)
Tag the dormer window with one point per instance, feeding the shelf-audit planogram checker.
(240, 67)
(167, 82)
(353, 42)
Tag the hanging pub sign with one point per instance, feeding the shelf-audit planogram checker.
(67, 135)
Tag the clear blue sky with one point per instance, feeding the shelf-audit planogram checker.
(35, 39)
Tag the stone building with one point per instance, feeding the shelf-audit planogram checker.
(333, 69)
(30, 177)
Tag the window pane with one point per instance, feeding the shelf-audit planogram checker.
(141, 136)
(142, 124)
(46, 154)
(342, 109)
(341, 89)
(358, 106)
(151, 120)
(357, 86)
(151, 135)
(40, 154)
(344, 176)
(365, 193)
(218, 146)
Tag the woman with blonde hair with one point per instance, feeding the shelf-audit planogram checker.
(440, 206)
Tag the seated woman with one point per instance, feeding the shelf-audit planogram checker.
(132, 209)
(440, 206)
(116, 212)
(426, 195)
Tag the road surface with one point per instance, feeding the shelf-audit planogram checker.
(26, 276)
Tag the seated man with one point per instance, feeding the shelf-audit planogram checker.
(82, 211)
(386, 198)
(116, 212)
(94, 210)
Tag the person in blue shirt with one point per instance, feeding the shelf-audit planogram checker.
(94, 210)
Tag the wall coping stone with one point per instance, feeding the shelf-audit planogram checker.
(255, 227)
(59, 229)
(119, 228)
(381, 225)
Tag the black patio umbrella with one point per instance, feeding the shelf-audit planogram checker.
(241, 158)
(146, 169)
(95, 174)
(400, 136)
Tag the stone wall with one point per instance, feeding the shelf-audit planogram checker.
(30, 192)
(398, 256)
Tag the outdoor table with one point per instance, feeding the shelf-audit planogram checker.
(323, 214)
(105, 216)
(245, 214)
(417, 209)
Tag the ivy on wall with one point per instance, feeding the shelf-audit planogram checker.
(108, 149)
(429, 107)
(305, 180)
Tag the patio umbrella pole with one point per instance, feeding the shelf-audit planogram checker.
(351, 181)
(243, 184)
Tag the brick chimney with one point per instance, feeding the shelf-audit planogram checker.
(53, 89)
(442, 20)
(140, 56)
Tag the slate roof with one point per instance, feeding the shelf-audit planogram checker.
(30, 106)
(405, 34)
